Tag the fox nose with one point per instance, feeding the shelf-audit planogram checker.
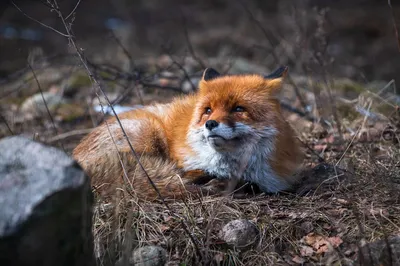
(210, 124)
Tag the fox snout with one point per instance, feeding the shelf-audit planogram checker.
(211, 124)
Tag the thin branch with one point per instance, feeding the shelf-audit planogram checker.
(274, 55)
(396, 31)
(5, 123)
(73, 10)
(348, 146)
(320, 158)
(189, 43)
(70, 134)
(131, 67)
(47, 108)
(127, 54)
(292, 109)
(91, 76)
(37, 21)
(187, 77)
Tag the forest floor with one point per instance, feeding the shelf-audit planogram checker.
(350, 194)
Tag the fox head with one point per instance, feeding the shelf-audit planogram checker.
(233, 110)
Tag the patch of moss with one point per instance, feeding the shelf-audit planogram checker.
(70, 111)
(80, 80)
(105, 75)
(13, 100)
(348, 112)
(350, 89)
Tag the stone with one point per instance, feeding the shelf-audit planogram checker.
(34, 106)
(149, 256)
(46, 206)
(377, 252)
(241, 234)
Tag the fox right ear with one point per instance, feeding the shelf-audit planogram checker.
(210, 73)
(278, 73)
(275, 79)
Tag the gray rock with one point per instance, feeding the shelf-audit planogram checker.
(46, 201)
(34, 106)
(377, 252)
(241, 234)
(149, 256)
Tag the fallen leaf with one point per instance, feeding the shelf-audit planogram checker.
(164, 228)
(320, 244)
(320, 147)
(335, 241)
(306, 251)
(219, 257)
(298, 259)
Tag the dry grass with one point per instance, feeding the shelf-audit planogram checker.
(354, 207)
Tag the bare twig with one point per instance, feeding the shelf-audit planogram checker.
(189, 43)
(42, 24)
(396, 31)
(320, 158)
(348, 146)
(187, 77)
(131, 68)
(47, 108)
(126, 52)
(70, 134)
(98, 86)
(73, 10)
(6, 123)
(273, 53)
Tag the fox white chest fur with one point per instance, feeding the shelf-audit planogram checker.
(247, 160)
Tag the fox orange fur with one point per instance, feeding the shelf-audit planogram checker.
(231, 129)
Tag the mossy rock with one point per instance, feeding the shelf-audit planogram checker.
(79, 80)
(70, 111)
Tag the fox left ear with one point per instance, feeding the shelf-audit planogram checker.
(274, 80)
(210, 73)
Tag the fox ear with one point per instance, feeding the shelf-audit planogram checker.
(281, 72)
(209, 74)
(274, 80)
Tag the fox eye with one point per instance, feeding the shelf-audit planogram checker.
(207, 110)
(238, 109)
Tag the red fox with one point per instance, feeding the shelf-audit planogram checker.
(232, 128)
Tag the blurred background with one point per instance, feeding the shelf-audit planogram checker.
(359, 37)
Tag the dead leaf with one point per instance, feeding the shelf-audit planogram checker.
(320, 147)
(335, 241)
(298, 259)
(219, 257)
(164, 228)
(321, 244)
(306, 251)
